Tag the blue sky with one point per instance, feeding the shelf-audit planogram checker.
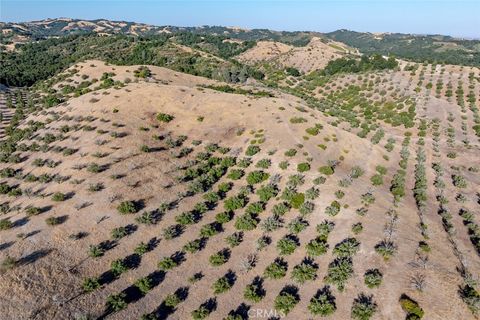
(457, 18)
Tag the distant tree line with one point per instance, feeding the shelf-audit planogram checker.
(366, 63)
(419, 48)
(40, 60)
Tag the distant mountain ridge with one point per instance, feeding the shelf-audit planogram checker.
(418, 48)
(37, 30)
(63, 26)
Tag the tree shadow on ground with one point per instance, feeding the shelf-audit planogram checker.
(33, 257)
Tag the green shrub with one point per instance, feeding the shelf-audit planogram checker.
(8, 263)
(316, 247)
(33, 211)
(267, 192)
(235, 174)
(219, 258)
(280, 209)
(255, 177)
(381, 170)
(144, 285)
(233, 203)
(58, 196)
(459, 181)
(142, 248)
(222, 285)
(95, 187)
(339, 194)
(118, 267)
(339, 270)
(5, 224)
(276, 270)
(347, 248)
(297, 200)
(90, 284)
(312, 131)
(264, 164)
(368, 198)
(96, 251)
(286, 301)
(252, 150)
(304, 272)
(234, 239)
(386, 249)
(326, 170)
(312, 193)
(471, 297)
(377, 180)
(319, 180)
(322, 146)
(286, 245)
(171, 232)
(452, 155)
(297, 225)
(302, 167)
(192, 246)
(201, 313)
(254, 292)
(363, 307)
(118, 233)
(246, 222)
(223, 217)
(373, 278)
(167, 263)
(185, 218)
(116, 302)
(411, 307)
(255, 208)
(323, 303)
(208, 230)
(356, 172)
(7, 173)
(245, 162)
(424, 246)
(290, 153)
(296, 120)
(142, 72)
(94, 168)
(172, 300)
(164, 117)
(283, 165)
(200, 208)
(147, 218)
(53, 221)
(211, 197)
(324, 229)
(333, 209)
(357, 228)
(295, 180)
(126, 207)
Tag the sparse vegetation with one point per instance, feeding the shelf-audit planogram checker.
(94, 156)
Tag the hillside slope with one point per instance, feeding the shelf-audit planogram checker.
(157, 193)
(315, 55)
